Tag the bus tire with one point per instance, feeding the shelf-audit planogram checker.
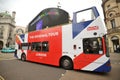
(23, 57)
(66, 63)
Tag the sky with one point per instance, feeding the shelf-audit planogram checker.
(26, 10)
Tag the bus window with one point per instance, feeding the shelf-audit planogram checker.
(81, 16)
(25, 46)
(36, 46)
(92, 46)
(45, 46)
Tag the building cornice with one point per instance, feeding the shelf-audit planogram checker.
(110, 18)
(114, 30)
(9, 24)
(111, 8)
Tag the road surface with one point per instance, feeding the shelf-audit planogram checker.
(13, 69)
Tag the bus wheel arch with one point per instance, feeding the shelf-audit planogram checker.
(23, 57)
(66, 62)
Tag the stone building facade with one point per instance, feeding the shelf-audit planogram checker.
(7, 25)
(8, 29)
(111, 9)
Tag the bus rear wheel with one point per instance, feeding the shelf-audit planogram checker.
(66, 63)
(23, 57)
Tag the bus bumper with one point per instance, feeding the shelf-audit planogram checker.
(104, 68)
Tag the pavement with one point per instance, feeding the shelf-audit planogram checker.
(6, 56)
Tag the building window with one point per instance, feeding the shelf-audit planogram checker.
(1, 32)
(108, 6)
(113, 23)
(116, 44)
(111, 15)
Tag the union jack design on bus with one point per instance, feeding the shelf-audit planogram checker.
(79, 45)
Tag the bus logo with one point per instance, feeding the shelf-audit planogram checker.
(92, 28)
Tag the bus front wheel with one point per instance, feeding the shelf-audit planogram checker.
(66, 63)
(23, 57)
